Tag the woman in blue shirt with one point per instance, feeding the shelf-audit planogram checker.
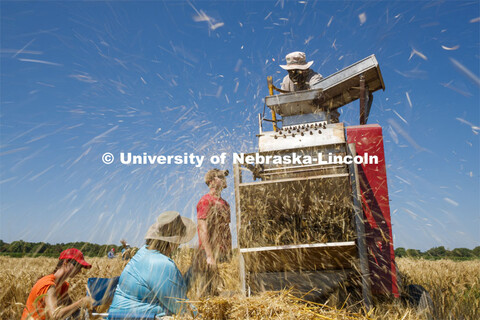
(151, 284)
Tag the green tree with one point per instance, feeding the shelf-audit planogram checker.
(39, 248)
(3, 246)
(400, 252)
(413, 253)
(476, 251)
(462, 253)
(17, 246)
(437, 252)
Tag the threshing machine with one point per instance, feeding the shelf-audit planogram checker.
(318, 225)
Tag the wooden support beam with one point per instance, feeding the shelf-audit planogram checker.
(237, 178)
(360, 228)
(369, 106)
(362, 99)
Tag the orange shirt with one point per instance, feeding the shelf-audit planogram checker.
(36, 309)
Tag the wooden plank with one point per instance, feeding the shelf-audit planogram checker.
(306, 168)
(237, 180)
(300, 246)
(301, 259)
(359, 224)
(280, 173)
(340, 175)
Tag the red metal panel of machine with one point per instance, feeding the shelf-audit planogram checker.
(368, 140)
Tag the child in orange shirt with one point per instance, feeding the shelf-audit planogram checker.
(49, 296)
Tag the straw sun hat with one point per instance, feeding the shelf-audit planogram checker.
(296, 60)
(172, 227)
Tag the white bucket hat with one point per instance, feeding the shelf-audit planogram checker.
(296, 60)
(172, 227)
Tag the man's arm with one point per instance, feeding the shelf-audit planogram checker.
(286, 84)
(316, 78)
(203, 235)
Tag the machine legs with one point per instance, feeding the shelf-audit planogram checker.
(360, 228)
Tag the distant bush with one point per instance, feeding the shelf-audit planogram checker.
(22, 248)
(413, 253)
(400, 252)
(476, 251)
(436, 253)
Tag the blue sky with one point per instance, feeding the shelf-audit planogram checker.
(79, 79)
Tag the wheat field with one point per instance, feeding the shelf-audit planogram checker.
(454, 288)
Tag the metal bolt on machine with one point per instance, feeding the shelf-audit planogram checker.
(323, 225)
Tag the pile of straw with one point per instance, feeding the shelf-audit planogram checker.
(268, 305)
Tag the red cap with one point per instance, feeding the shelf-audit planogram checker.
(76, 255)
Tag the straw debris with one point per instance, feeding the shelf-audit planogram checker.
(268, 305)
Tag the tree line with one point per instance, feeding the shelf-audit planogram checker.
(440, 253)
(22, 248)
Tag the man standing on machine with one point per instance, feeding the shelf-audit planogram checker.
(300, 76)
